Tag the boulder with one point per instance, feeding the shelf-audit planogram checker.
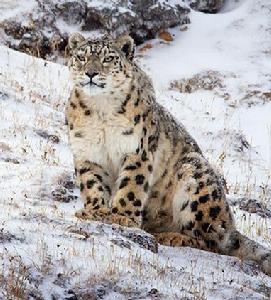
(207, 6)
(43, 30)
(120, 236)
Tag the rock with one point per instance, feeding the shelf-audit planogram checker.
(252, 206)
(140, 237)
(50, 137)
(165, 35)
(58, 187)
(11, 160)
(4, 147)
(123, 237)
(64, 189)
(71, 12)
(3, 96)
(207, 6)
(7, 237)
(267, 96)
(43, 31)
(145, 47)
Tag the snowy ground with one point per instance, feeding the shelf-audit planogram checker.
(215, 78)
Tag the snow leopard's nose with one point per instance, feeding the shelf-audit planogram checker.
(91, 74)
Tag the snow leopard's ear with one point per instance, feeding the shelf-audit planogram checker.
(127, 45)
(74, 40)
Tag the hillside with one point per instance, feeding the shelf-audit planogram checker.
(215, 78)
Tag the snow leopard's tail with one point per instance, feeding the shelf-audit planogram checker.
(236, 244)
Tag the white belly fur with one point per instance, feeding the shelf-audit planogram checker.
(102, 143)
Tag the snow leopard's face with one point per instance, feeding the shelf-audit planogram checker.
(98, 66)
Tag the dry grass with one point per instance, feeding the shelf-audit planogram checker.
(14, 279)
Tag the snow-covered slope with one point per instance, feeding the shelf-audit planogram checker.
(224, 61)
(215, 78)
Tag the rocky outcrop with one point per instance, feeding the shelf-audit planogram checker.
(207, 6)
(120, 236)
(43, 30)
(252, 206)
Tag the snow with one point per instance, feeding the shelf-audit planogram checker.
(12, 8)
(234, 44)
(46, 252)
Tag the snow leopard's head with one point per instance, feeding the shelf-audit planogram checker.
(100, 65)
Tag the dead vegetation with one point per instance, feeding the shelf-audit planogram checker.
(14, 279)
(214, 81)
(209, 80)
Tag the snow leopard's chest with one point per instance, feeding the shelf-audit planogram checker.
(103, 139)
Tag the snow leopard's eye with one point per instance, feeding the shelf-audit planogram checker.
(108, 59)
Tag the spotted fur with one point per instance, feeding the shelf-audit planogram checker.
(136, 165)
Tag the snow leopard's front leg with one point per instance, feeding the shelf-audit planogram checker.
(95, 191)
(132, 188)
